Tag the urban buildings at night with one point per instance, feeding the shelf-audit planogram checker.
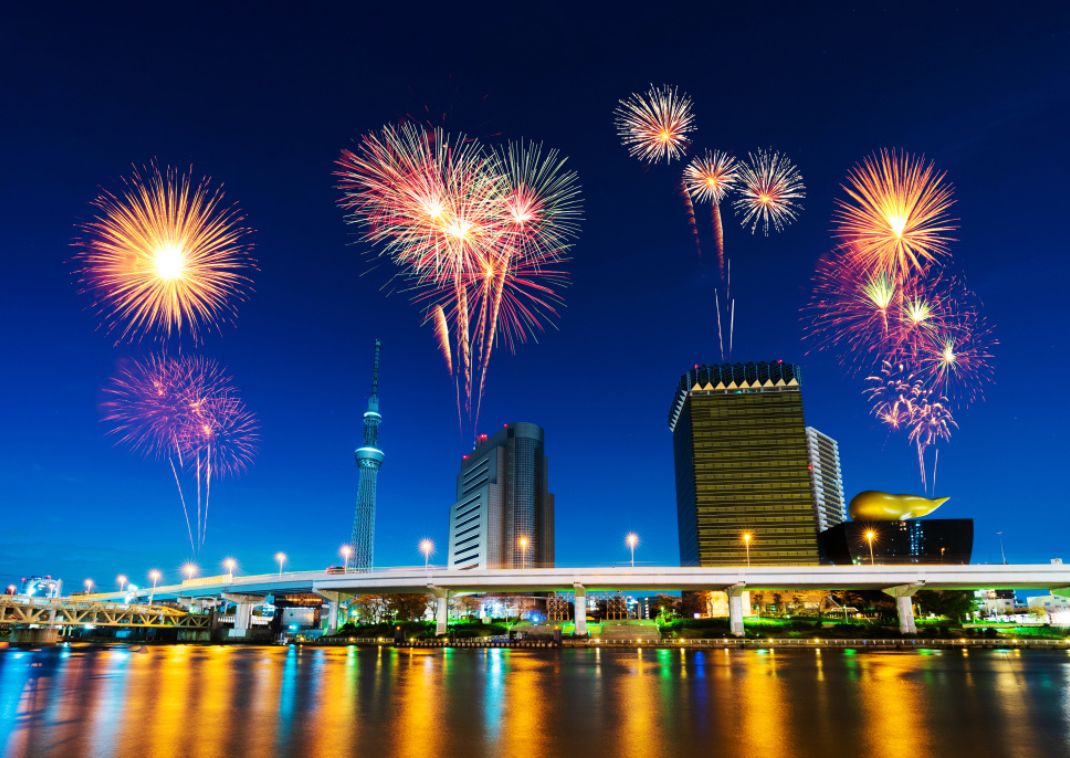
(742, 455)
(369, 459)
(504, 513)
(826, 479)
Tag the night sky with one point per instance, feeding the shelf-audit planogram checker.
(264, 101)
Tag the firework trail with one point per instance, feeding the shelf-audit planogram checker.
(165, 256)
(655, 125)
(442, 334)
(689, 208)
(709, 178)
(477, 233)
(770, 193)
(895, 216)
(185, 411)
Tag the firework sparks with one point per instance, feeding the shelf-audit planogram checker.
(477, 233)
(708, 179)
(895, 216)
(185, 411)
(655, 125)
(771, 191)
(165, 256)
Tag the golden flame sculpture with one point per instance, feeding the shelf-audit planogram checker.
(874, 505)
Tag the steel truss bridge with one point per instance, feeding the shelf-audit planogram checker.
(61, 612)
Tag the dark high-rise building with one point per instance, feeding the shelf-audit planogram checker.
(742, 466)
(504, 513)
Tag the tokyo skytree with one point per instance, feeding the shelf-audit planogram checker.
(369, 459)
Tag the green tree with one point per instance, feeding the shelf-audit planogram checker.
(951, 604)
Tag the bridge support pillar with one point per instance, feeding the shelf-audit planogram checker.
(735, 610)
(243, 612)
(904, 605)
(579, 609)
(334, 599)
(442, 611)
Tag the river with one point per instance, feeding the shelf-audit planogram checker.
(189, 700)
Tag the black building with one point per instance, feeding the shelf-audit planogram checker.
(948, 540)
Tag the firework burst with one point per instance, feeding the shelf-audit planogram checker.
(185, 411)
(770, 193)
(165, 256)
(708, 179)
(895, 217)
(477, 234)
(655, 125)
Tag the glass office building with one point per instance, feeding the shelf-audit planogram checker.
(503, 516)
(742, 462)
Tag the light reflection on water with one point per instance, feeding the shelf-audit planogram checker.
(230, 701)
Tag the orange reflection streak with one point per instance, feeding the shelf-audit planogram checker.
(523, 730)
(419, 697)
(333, 720)
(169, 678)
(764, 710)
(267, 689)
(211, 708)
(893, 706)
(640, 729)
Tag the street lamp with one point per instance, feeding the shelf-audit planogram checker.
(189, 570)
(281, 558)
(229, 565)
(88, 586)
(632, 539)
(747, 536)
(870, 536)
(523, 542)
(121, 579)
(426, 546)
(154, 575)
(346, 551)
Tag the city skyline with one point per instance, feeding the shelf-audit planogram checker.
(299, 346)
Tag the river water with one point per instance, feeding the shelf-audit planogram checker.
(192, 700)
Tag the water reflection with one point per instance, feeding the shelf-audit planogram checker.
(231, 701)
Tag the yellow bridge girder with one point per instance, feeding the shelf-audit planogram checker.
(66, 612)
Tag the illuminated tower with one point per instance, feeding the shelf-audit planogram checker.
(369, 459)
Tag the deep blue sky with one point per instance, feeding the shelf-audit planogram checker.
(265, 100)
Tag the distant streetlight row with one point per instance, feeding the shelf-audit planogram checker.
(427, 547)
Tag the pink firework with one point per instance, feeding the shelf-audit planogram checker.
(185, 411)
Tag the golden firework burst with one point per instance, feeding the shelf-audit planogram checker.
(165, 256)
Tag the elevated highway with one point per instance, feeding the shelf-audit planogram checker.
(899, 581)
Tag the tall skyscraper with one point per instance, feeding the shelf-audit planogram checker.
(504, 513)
(369, 459)
(826, 479)
(741, 459)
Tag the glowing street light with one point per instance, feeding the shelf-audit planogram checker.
(426, 546)
(229, 565)
(747, 536)
(870, 536)
(11, 589)
(281, 558)
(189, 570)
(88, 585)
(523, 542)
(346, 551)
(154, 575)
(632, 539)
(121, 579)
